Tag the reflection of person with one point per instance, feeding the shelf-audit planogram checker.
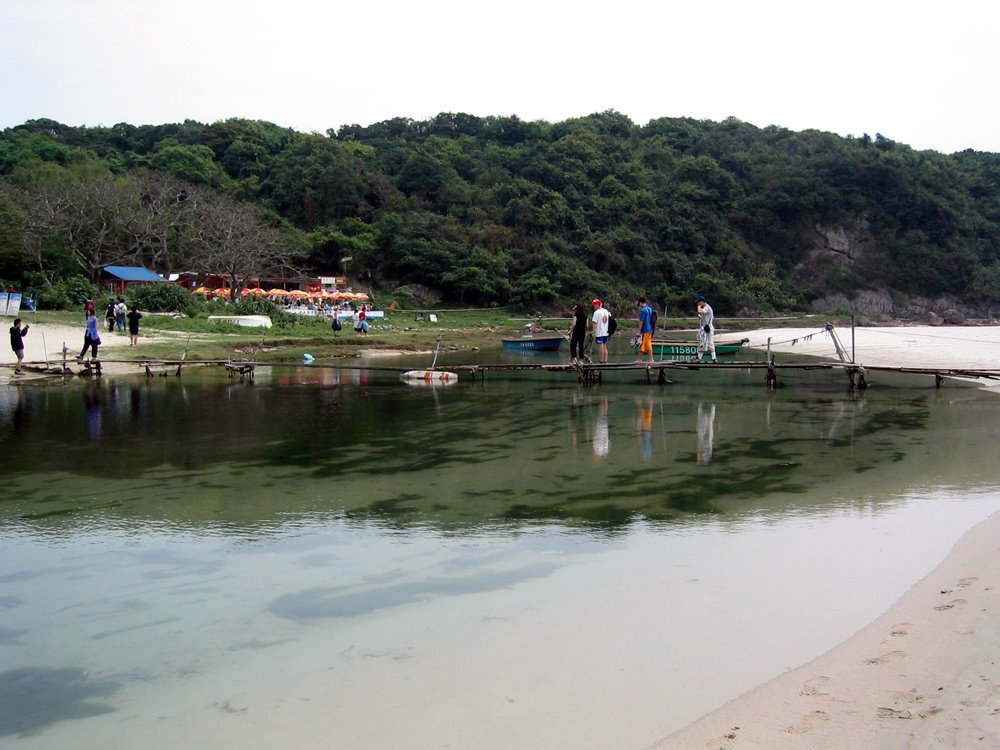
(17, 335)
(645, 424)
(577, 333)
(645, 329)
(600, 329)
(93, 410)
(602, 436)
(706, 433)
(91, 338)
(133, 325)
(706, 328)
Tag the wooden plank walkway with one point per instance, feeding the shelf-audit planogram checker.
(590, 373)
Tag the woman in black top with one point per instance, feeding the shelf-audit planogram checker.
(578, 332)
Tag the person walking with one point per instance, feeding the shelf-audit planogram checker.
(134, 317)
(109, 316)
(645, 329)
(17, 335)
(577, 333)
(91, 338)
(121, 313)
(706, 328)
(599, 326)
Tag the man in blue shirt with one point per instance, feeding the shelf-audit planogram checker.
(645, 330)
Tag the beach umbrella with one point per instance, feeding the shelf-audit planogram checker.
(201, 290)
(298, 294)
(277, 293)
(221, 292)
(256, 291)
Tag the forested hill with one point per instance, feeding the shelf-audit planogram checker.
(496, 210)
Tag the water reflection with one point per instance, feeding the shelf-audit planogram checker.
(706, 432)
(202, 449)
(162, 535)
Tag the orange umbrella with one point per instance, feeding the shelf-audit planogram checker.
(298, 294)
(201, 290)
(221, 292)
(277, 292)
(256, 291)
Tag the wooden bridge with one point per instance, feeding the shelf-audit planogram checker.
(585, 373)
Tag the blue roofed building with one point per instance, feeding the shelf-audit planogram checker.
(118, 278)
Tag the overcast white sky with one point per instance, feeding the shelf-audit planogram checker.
(917, 71)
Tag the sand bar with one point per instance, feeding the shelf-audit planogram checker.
(926, 673)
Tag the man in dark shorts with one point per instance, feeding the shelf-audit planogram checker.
(17, 335)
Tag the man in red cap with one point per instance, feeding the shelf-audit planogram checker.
(599, 325)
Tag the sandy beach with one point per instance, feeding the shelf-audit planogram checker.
(44, 342)
(923, 675)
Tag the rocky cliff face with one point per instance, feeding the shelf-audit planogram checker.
(843, 246)
(833, 247)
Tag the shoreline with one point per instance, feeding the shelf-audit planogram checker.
(921, 675)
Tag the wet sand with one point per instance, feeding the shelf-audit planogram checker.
(923, 675)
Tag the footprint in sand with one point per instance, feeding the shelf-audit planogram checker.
(966, 582)
(884, 712)
(814, 686)
(950, 605)
(887, 657)
(808, 722)
(725, 741)
(901, 629)
(911, 697)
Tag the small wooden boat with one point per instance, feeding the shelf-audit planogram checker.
(690, 348)
(532, 343)
(430, 376)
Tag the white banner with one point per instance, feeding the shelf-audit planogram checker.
(13, 303)
(3, 303)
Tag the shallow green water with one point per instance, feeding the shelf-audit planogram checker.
(173, 538)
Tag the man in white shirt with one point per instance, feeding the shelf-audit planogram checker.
(706, 328)
(599, 326)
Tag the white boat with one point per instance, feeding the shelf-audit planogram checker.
(247, 321)
(430, 376)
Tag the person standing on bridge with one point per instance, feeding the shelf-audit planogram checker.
(599, 326)
(577, 333)
(706, 328)
(645, 329)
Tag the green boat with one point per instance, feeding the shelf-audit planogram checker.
(689, 349)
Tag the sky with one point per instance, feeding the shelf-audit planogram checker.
(920, 72)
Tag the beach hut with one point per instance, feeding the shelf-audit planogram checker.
(118, 278)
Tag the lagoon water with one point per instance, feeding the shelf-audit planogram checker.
(328, 559)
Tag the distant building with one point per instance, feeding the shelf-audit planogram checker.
(118, 278)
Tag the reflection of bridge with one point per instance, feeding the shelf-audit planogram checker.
(586, 373)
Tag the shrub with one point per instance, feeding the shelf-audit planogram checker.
(67, 294)
(160, 297)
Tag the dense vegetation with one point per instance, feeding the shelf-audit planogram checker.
(497, 211)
